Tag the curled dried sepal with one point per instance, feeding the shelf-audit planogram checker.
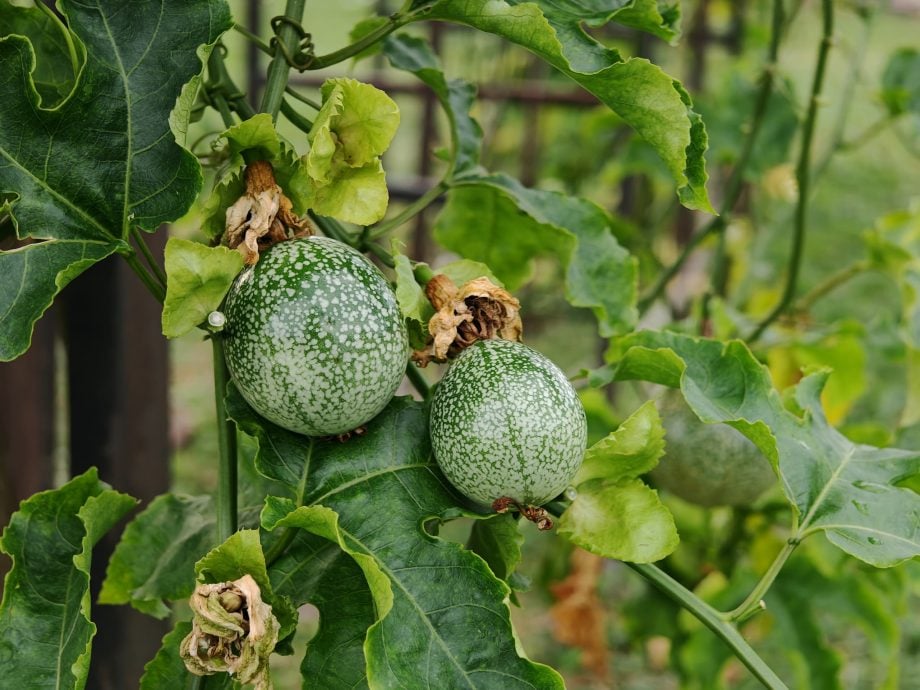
(263, 216)
(479, 310)
(537, 515)
(233, 631)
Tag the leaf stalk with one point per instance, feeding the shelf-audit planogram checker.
(226, 443)
(752, 604)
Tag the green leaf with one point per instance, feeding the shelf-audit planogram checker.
(316, 570)
(45, 628)
(155, 560)
(647, 99)
(104, 159)
(498, 540)
(614, 514)
(351, 131)
(901, 82)
(198, 278)
(54, 73)
(843, 489)
(241, 554)
(514, 224)
(456, 97)
(430, 594)
(30, 277)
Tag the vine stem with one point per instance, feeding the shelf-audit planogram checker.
(295, 118)
(713, 620)
(158, 272)
(154, 287)
(409, 211)
(226, 443)
(279, 68)
(752, 604)
(363, 43)
(735, 183)
(829, 284)
(803, 173)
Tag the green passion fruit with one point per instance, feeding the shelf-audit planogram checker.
(708, 464)
(314, 340)
(506, 423)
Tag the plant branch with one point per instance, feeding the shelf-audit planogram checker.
(711, 618)
(260, 44)
(753, 603)
(294, 93)
(158, 272)
(735, 183)
(279, 69)
(226, 442)
(409, 211)
(803, 173)
(393, 22)
(154, 287)
(832, 282)
(295, 118)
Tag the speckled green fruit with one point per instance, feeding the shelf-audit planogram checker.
(708, 464)
(315, 341)
(505, 421)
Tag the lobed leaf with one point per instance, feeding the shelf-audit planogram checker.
(846, 490)
(155, 560)
(647, 99)
(103, 159)
(614, 514)
(45, 628)
(442, 616)
(514, 224)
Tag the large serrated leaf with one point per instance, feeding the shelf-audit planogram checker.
(647, 99)
(846, 490)
(45, 629)
(104, 159)
(443, 618)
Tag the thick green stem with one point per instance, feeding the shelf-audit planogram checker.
(279, 68)
(226, 443)
(753, 603)
(409, 211)
(157, 290)
(735, 183)
(711, 618)
(803, 173)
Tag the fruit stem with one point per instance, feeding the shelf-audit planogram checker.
(803, 173)
(279, 68)
(712, 619)
(753, 603)
(226, 442)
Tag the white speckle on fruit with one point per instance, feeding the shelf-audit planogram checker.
(291, 321)
(505, 422)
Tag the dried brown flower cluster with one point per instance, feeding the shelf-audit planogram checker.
(263, 216)
(478, 310)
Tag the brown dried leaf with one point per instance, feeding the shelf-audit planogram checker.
(578, 613)
(479, 310)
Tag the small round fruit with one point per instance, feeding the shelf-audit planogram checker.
(314, 340)
(708, 464)
(505, 422)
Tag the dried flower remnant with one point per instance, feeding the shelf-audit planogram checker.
(233, 631)
(263, 216)
(479, 310)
